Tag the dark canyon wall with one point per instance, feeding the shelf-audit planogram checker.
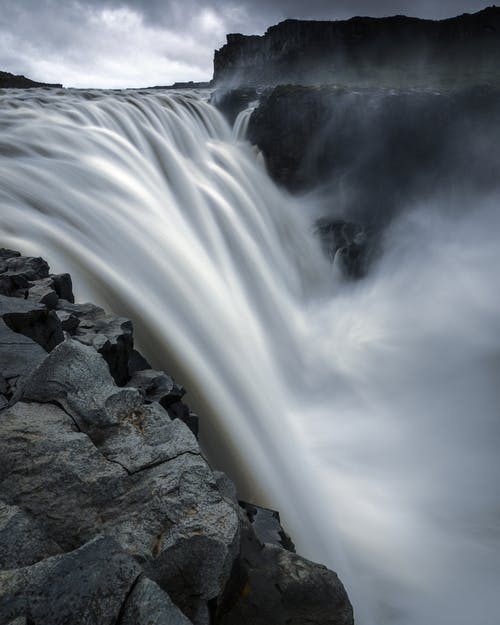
(402, 50)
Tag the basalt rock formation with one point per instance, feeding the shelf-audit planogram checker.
(337, 108)
(109, 512)
(365, 51)
(11, 81)
(364, 154)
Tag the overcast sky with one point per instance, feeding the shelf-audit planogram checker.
(134, 43)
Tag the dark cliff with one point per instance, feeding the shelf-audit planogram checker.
(11, 81)
(394, 50)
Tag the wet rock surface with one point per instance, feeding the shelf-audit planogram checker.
(109, 513)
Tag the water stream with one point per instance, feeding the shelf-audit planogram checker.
(366, 412)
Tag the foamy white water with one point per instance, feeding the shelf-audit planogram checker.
(367, 413)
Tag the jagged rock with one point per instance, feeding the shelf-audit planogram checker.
(89, 311)
(43, 294)
(32, 320)
(267, 527)
(86, 587)
(179, 410)
(63, 286)
(147, 480)
(75, 376)
(137, 362)
(22, 541)
(149, 605)
(82, 459)
(32, 268)
(157, 386)
(17, 272)
(69, 321)
(47, 291)
(279, 587)
(112, 337)
(226, 487)
(171, 517)
(19, 356)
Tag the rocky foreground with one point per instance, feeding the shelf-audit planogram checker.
(109, 513)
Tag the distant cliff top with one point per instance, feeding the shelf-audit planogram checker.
(11, 81)
(364, 49)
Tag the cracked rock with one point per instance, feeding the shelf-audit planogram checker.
(19, 356)
(76, 377)
(85, 587)
(279, 587)
(149, 605)
(22, 541)
(32, 320)
(112, 337)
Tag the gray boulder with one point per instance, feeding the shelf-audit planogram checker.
(29, 267)
(77, 378)
(19, 356)
(157, 386)
(273, 585)
(111, 463)
(22, 541)
(32, 320)
(149, 605)
(84, 587)
(112, 337)
(266, 525)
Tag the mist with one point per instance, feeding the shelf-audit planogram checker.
(366, 412)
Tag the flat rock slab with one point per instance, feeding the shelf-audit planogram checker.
(22, 540)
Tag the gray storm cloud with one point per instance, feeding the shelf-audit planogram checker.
(133, 43)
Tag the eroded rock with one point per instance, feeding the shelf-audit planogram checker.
(85, 587)
(22, 541)
(149, 605)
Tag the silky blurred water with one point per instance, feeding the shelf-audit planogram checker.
(367, 412)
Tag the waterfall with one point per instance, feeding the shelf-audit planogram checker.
(367, 412)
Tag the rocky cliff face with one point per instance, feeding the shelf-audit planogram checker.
(11, 81)
(376, 149)
(367, 51)
(109, 513)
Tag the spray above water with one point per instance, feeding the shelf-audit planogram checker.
(366, 412)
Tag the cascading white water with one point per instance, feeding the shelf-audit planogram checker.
(367, 413)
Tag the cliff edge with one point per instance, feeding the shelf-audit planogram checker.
(11, 81)
(395, 50)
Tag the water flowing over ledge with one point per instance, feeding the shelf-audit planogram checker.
(366, 413)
